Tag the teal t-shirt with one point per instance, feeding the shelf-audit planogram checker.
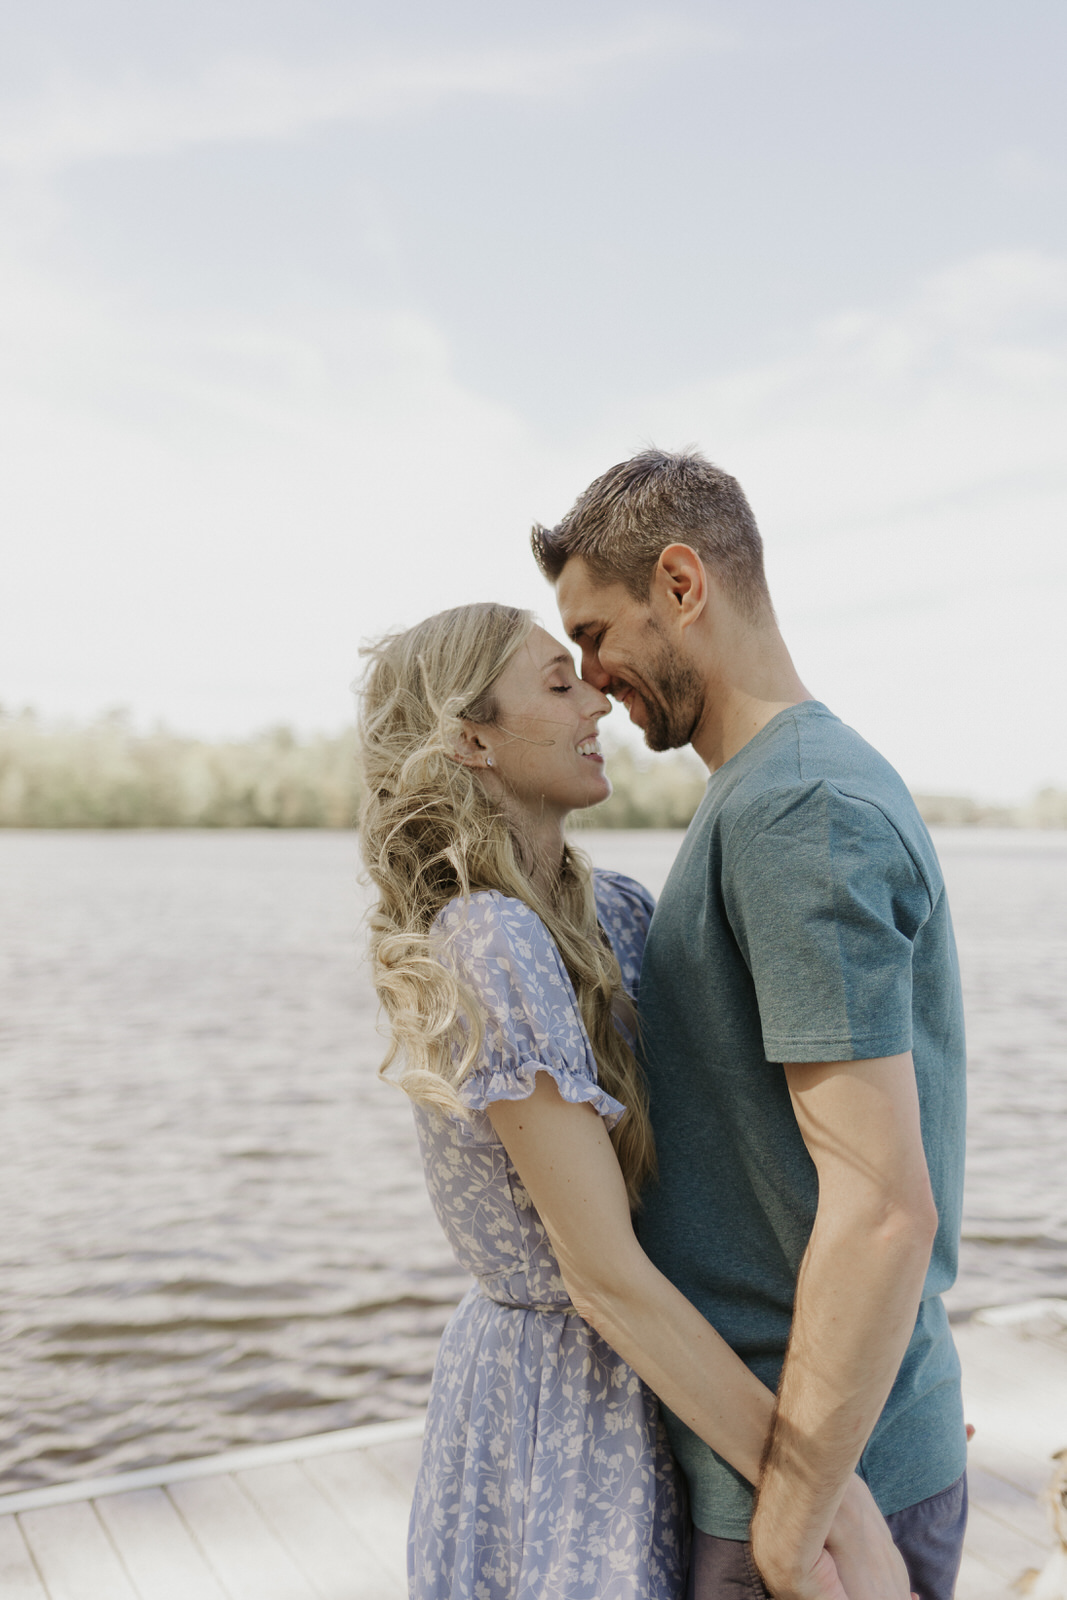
(804, 919)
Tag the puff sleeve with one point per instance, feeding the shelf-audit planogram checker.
(505, 955)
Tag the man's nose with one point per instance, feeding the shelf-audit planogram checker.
(593, 672)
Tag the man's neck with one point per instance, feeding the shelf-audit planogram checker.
(718, 740)
(756, 682)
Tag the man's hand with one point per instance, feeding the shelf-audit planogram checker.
(859, 1560)
(822, 1582)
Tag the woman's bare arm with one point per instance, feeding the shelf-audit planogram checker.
(567, 1164)
(566, 1161)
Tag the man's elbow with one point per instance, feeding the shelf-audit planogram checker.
(907, 1222)
(897, 1219)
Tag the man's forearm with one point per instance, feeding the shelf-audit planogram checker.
(857, 1297)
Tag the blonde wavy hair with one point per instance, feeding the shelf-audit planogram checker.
(430, 833)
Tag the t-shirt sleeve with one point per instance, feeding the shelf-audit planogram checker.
(825, 901)
(503, 952)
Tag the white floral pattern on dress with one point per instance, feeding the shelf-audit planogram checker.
(545, 1472)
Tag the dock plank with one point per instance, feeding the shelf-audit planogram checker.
(323, 1544)
(156, 1547)
(1003, 1548)
(1007, 1504)
(399, 1460)
(1026, 1472)
(370, 1501)
(325, 1518)
(979, 1581)
(74, 1555)
(250, 1562)
(1015, 1392)
(19, 1579)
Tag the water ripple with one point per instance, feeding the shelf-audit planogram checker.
(215, 1228)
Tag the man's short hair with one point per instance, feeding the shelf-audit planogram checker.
(625, 520)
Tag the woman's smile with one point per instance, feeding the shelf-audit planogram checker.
(545, 716)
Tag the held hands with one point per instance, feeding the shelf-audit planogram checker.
(859, 1560)
(867, 1560)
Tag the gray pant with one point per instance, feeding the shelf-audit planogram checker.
(929, 1536)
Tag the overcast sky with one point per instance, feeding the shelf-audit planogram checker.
(307, 310)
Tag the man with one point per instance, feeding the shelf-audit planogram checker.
(802, 1024)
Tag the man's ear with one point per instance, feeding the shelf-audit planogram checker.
(680, 583)
(470, 749)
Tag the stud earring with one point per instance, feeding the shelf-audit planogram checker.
(489, 761)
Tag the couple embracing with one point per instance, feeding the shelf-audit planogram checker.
(707, 1153)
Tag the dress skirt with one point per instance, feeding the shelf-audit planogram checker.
(545, 1468)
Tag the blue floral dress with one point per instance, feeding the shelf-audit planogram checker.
(545, 1472)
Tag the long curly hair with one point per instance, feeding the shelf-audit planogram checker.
(430, 833)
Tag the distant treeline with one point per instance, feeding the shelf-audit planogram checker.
(106, 774)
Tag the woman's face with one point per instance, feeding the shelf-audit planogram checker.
(543, 745)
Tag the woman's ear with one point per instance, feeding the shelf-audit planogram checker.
(470, 749)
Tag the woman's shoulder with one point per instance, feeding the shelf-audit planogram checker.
(624, 896)
(502, 950)
(485, 905)
(490, 921)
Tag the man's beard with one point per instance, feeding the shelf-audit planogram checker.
(671, 718)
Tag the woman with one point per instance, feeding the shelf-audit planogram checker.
(507, 968)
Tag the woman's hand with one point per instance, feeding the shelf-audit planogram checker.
(858, 1562)
(868, 1562)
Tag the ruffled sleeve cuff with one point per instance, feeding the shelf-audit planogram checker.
(516, 1082)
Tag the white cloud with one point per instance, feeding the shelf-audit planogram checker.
(907, 468)
(204, 520)
(1025, 171)
(959, 391)
(206, 517)
(247, 98)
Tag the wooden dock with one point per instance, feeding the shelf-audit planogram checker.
(325, 1518)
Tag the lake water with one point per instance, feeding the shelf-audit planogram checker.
(214, 1230)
